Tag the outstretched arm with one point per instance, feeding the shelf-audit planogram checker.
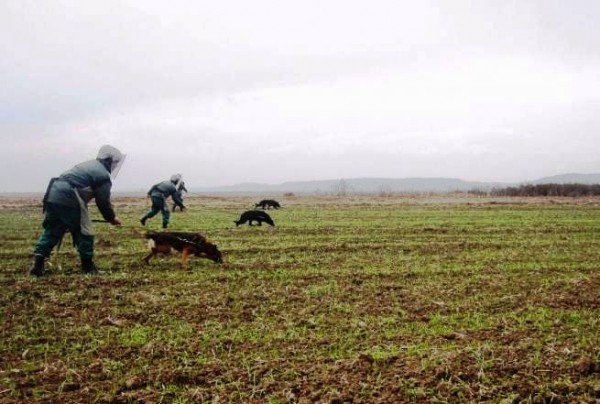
(177, 199)
(102, 197)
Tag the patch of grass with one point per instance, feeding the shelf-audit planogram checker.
(431, 299)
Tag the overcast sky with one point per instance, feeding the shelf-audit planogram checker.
(272, 91)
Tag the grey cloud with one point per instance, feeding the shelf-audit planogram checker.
(407, 88)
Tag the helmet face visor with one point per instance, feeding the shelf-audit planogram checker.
(176, 179)
(116, 165)
(108, 152)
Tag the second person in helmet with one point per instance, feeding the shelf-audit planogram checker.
(159, 193)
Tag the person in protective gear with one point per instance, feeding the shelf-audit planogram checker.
(180, 190)
(65, 207)
(159, 194)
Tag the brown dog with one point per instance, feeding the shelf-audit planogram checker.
(186, 243)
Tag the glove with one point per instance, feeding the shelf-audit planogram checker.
(116, 221)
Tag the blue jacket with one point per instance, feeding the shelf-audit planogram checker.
(165, 189)
(91, 179)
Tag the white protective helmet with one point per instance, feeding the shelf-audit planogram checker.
(108, 152)
(176, 179)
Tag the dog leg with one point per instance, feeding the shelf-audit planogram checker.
(185, 253)
(147, 258)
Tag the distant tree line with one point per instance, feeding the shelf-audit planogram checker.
(572, 190)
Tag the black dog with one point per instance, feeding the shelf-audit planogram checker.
(268, 203)
(254, 216)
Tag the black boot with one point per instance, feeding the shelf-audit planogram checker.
(143, 220)
(38, 265)
(88, 267)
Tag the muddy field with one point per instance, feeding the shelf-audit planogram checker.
(354, 299)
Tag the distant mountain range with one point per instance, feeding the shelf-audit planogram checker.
(569, 179)
(388, 185)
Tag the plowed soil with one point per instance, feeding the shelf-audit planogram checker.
(346, 300)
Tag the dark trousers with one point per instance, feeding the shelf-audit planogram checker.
(159, 205)
(59, 219)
